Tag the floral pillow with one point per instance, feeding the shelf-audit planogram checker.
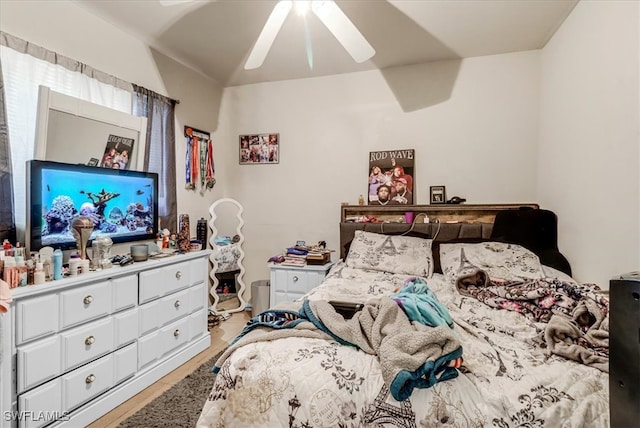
(502, 261)
(391, 253)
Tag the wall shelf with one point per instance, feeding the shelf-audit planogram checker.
(461, 213)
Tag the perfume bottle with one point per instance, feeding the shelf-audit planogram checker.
(22, 271)
(57, 264)
(31, 271)
(10, 274)
(38, 275)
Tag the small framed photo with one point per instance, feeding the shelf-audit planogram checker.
(259, 149)
(438, 195)
(93, 162)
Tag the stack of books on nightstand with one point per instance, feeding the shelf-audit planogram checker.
(295, 257)
(318, 256)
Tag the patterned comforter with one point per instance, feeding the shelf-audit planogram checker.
(506, 380)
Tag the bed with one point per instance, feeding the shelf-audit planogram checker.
(483, 334)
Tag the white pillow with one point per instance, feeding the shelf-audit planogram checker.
(502, 261)
(391, 253)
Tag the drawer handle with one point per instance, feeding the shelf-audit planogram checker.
(177, 304)
(88, 299)
(178, 275)
(89, 340)
(176, 333)
(295, 279)
(90, 379)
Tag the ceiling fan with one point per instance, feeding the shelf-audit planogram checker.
(329, 14)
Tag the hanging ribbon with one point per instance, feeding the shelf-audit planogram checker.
(194, 162)
(203, 161)
(210, 167)
(197, 158)
(187, 163)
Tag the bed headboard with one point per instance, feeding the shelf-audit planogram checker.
(522, 224)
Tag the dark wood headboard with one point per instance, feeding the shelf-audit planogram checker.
(446, 222)
(522, 224)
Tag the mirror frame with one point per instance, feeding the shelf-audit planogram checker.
(212, 257)
(49, 101)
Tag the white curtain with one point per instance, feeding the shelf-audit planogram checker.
(23, 74)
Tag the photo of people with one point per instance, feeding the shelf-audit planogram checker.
(259, 148)
(116, 154)
(393, 171)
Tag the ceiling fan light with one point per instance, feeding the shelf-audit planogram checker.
(343, 29)
(302, 7)
(268, 35)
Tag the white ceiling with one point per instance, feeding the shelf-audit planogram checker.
(216, 36)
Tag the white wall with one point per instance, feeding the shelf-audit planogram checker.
(589, 149)
(68, 29)
(479, 143)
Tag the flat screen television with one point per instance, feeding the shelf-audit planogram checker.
(122, 204)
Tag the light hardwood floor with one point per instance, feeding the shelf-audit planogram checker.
(221, 335)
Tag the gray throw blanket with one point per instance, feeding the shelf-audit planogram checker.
(411, 355)
(576, 339)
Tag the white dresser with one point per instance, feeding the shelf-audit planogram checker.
(73, 349)
(292, 282)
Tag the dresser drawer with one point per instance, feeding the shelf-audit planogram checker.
(125, 292)
(296, 281)
(198, 270)
(45, 400)
(197, 297)
(280, 296)
(197, 324)
(86, 343)
(160, 282)
(125, 362)
(161, 312)
(86, 303)
(38, 362)
(36, 317)
(86, 382)
(125, 327)
(154, 346)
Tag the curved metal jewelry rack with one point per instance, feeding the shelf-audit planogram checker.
(214, 262)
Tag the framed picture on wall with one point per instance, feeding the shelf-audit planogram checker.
(391, 179)
(437, 194)
(259, 149)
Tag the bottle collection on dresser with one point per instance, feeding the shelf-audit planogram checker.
(19, 268)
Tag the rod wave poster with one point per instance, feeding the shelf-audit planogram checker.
(391, 179)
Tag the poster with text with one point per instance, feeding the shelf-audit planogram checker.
(117, 152)
(391, 177)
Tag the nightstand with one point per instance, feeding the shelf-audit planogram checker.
(292, 282)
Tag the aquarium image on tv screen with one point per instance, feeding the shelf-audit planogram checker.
(120, 203)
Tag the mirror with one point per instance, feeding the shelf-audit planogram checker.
(64, 122)
(227, 270)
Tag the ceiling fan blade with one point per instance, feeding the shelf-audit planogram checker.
(268, 35)
(343, 29)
